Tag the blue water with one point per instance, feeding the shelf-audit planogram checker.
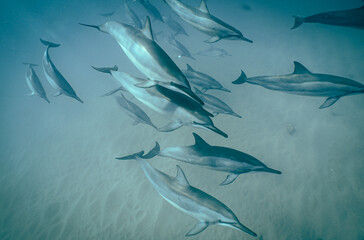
(58, 174)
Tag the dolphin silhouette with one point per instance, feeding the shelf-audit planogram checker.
(304, 82)
(179, 193)
(202, 20)
(54, 77)
(34, 83)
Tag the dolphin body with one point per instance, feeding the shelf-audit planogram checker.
(202, 20)
(353, 18)
(167, 100)
(54, 77)
(152, 10)
(34, 83)
(175, 26)
(215, 105)
(303, 82)
(178, 47)
(133, 111)
(213, 157)
(146, 54)
(213, 52)
(202, 80)
(133, 16)
(179, 193)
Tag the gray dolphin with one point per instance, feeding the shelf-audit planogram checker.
(175, 26)
(133, 16)
(167, 100)
(347, 18)
(134, 111)
(202, 20)
(202, 80)
(152, 10)
(213, 52)
(179, 193)
(304, 82)
(215, 105)
(54, 77)
(213, 157)
(146, 54)
(34, 83)
(109, 14)
(178, 47)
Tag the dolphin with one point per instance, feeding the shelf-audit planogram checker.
(54, 77)
(175, 26)
(353, 18)
(133, 111)
(179, 193)
(34, 83)
(304, 82)
(215, 105)
(152, 10)
(178, 47)
(146, 54)
(216, 158)
(133, 16)
(213, 52)
(202, 80)
(202, 20)
(167, 100)
(109, 14)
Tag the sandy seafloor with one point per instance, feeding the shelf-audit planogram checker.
(58, 175)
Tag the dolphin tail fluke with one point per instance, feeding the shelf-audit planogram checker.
(199, 227)
(30, 64)
(131, 156)
(152, 153)
(106, 69)
(50, 44)
(241, 79)
(241, 227)
(297, 22)
(270, 170)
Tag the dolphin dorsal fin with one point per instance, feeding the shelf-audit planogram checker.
(300, 69)
(189, 68)
(147, 30)
(181, 177)
(203, 7)
(199, 141)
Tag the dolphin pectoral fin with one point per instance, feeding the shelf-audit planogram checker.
(131, 156)
(113, 91)
(199, 227)
(213, 39)
(229, 179)
(329, 102)
(171, 127)
(57, 94)
(181, 177)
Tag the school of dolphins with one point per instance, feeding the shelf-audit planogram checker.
(180, 96)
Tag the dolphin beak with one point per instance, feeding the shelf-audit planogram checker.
(92, 26)
(246, 39)
(224, 89)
